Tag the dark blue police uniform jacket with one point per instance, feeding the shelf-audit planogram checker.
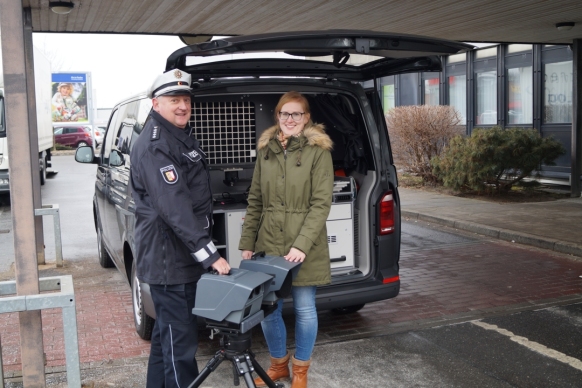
(173, 205)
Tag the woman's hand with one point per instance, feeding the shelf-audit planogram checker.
(295, 255)
(246, 255)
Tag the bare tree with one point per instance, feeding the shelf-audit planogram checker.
(420, 132)
(55, 58)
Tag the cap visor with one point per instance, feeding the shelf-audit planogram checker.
(176, 92)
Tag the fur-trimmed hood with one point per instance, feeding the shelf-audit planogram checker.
(314, 134)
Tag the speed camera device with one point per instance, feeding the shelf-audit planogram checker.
(240, 300)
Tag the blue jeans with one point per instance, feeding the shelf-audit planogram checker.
(305, 325)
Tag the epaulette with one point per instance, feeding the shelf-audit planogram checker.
(155, 133)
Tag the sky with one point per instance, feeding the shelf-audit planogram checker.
(120, 65)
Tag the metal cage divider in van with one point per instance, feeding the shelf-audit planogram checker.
(225, 130)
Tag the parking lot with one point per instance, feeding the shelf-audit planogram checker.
(472, 312)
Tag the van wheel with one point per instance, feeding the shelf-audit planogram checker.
(43, 172)
(104, 258)
(348, 309)
(144, 324)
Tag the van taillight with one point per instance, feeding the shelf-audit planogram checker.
(392, 279)
(387, 214)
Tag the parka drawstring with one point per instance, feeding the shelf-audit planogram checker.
(299, 157)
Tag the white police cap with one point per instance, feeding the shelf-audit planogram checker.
(171, 82)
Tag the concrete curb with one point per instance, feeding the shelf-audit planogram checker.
(499, 233)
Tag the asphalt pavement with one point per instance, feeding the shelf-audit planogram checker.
(389, 353)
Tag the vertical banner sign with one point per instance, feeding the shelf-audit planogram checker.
(70, 97)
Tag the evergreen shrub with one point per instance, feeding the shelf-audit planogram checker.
(493, 160)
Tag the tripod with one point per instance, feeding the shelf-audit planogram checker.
(236, 347)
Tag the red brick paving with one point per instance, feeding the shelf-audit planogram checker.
(460, 279)
(435, 283)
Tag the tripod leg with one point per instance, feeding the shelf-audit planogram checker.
(211, 365)
(243, 365)
(261, 372)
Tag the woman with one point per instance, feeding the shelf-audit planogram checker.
(288, 204)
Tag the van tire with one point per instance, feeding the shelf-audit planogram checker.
(42, 171)
(348, 309)
(144, 324)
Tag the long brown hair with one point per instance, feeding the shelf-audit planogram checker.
(293, 96)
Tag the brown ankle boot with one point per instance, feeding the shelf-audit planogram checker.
(279, 370)
(300, 369)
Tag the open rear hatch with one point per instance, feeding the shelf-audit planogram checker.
(380, 54)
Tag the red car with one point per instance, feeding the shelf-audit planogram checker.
(73, 135)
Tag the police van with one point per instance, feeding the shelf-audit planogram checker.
(233, 102)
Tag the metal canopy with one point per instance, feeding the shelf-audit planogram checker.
(525, 21)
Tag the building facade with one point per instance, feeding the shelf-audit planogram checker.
(506, 85)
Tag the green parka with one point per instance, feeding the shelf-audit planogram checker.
(290, 199)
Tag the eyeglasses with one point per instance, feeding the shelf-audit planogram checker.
(296, 116)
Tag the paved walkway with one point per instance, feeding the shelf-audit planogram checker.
(554, 225)
(455, 283)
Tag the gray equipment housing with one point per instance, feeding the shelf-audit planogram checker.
(232, 297)
(279, 269)
(238, 296)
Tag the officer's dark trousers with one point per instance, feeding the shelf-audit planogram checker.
(172, 360)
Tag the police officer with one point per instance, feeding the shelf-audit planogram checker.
(173, 220)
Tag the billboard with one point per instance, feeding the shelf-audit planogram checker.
(70, 101)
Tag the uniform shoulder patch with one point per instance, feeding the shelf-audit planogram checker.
(169, 174)
(155, 133)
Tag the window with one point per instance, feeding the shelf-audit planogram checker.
(124, 136)
(519, 84)
(388, 100)
(558, 92)
(456, 72)
(109, 136)
(486, 53)
(486, 86)
(519, 95)
(457, 85)
(486, 98)
(431, 89)
(388, 93)
(145, 106)
(58, 131)
(409, 89)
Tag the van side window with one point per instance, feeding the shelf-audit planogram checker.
(126, 131)
(109, 137)
(124, 137)
(144, 107)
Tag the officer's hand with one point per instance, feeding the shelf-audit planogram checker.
(246, 255)
(221, 266)
(295, 255)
